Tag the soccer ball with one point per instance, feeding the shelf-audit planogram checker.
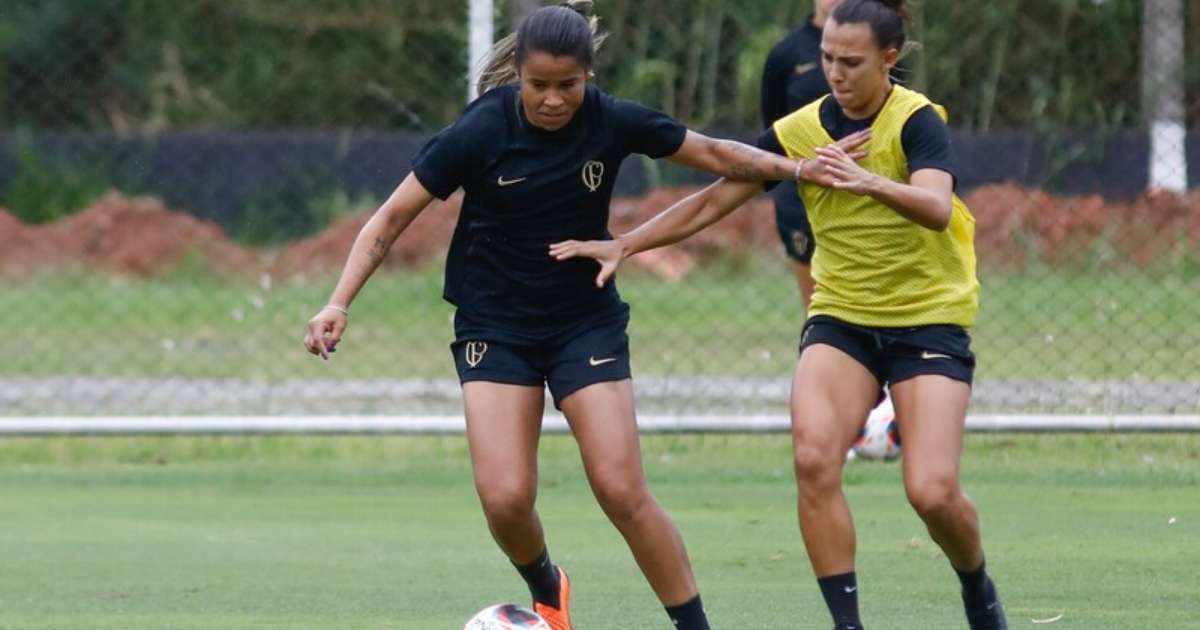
(506, 617)
(880, 435)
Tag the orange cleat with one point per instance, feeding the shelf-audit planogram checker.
(558, 618)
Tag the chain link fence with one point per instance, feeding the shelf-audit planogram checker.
(180, 183)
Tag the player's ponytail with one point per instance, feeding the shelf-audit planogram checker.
(567, 30)
(886, 18)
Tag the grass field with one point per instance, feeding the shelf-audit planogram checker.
(734, 319)
(385, 533)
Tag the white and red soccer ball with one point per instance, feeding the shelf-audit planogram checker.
(880, 435)
(506, 617)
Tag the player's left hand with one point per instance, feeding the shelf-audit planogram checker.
(607, 253)
(845, 173)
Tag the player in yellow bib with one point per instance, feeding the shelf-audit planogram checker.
(895, 295)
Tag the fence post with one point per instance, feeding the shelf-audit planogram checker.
(480, 27)
(1162, 92)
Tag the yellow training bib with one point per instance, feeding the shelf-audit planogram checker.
(872, 266)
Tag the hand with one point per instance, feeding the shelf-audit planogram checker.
(844, 172)
(852, 145)
(324, 332)
(607, 253)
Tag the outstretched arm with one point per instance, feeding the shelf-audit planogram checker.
(698, 211)
(376, 237)
(686, 217)
(734, 160)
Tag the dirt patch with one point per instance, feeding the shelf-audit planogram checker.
(120, 235)
(1015, 226)
(424, 240)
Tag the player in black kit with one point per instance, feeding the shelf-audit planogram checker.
(537, 155)
(792, 78)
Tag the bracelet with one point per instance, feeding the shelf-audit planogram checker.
(800, 169)
(334, 307)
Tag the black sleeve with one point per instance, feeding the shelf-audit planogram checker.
(768, 141)
(445, 162)
(646, 131)
(926, 142)
(773, 93)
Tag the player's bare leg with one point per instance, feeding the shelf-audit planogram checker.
(504, 423)
(602, 419)
(805, 282)
(831, 394)
(931, 411)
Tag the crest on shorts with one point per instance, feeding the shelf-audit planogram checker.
(474, 351)
(593, 175)
(799, 242)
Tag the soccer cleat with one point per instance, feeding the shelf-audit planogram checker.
(558, 618)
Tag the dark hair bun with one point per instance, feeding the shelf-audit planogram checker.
(582, 7)
(898, 6)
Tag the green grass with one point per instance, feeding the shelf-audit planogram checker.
(729, 319)
(370, 532)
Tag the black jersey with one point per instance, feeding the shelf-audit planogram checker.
(792, 75)
(526, 188)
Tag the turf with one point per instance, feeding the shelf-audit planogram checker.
(738, 318)
(385, 532)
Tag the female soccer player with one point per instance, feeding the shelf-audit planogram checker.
(895, 294)
(791, 79)
(538, 159)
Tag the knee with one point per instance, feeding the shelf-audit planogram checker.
(815, 467)
(506, 502)
(620, 497)
(934, 498)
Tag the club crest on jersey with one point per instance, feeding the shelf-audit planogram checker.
(593, 175)
(474, 351)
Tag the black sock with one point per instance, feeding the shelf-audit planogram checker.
(689, 615)
(841, 596)
(542, 577)
(977, 588)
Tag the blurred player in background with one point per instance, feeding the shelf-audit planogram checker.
(895, 294)
(537, 155)
(792, 78)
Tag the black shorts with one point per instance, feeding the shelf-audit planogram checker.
(564, 363)
(791, 219)
(897, 354)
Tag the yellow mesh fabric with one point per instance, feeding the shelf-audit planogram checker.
(872, 266)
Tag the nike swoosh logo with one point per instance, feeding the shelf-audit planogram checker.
(851, 589)
(593, 361)
(805, 68)
(500, 181)
(931, 355)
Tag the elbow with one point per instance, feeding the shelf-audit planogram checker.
(940, 220)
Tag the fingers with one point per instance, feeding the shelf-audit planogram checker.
(832, 151)
(565, 250)
(315, 340)
(606, 271)
(854, 140)
(323, 334)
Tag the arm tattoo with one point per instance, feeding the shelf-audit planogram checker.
(753, 165)
(378, 251)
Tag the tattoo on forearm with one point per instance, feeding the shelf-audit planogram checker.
(752, 164)
(378, 251)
